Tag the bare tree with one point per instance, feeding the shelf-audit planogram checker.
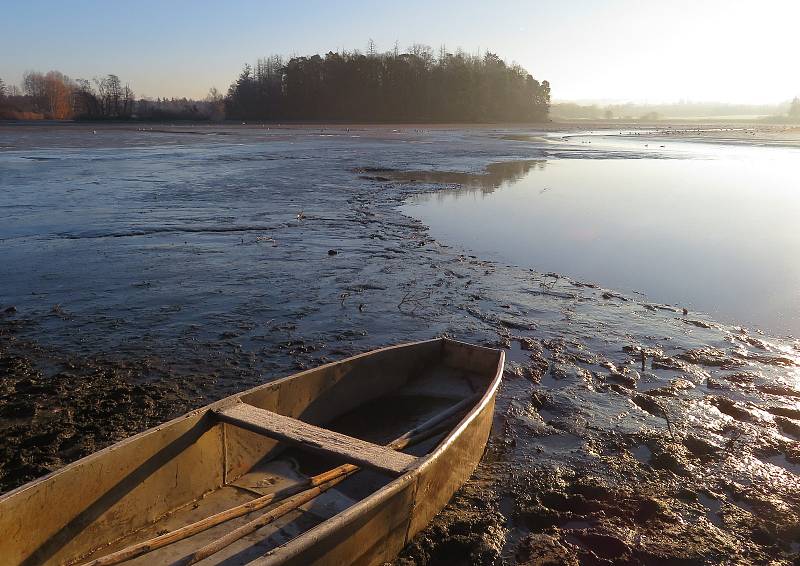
(115, 100)
(84, 100)
(33, 85)
(58, 90)
(126, 102)
(216, 104)
(51, 93)
(424, 53)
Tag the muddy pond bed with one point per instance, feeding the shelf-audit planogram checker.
(145, 273)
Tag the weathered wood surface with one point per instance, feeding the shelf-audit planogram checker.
(192, 529)
(373, 531)
(123, 493)
(436, 425)
(316, 438)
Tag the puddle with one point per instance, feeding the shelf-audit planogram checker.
(781, 461)
(713, 506)
(642, 453)
(516, 354)
(547, 416)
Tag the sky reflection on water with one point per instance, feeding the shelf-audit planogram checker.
(716, 232)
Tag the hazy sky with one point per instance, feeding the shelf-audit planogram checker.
(640, 50)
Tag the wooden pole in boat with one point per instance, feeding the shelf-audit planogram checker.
(192, 529)
(402, 441)
(293, 496)
(419, 433)
(289, 505)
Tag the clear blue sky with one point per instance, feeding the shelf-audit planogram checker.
(643, 50)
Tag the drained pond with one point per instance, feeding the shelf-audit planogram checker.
(649, 407)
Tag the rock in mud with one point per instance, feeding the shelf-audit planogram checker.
(711, 357)
(543, 549)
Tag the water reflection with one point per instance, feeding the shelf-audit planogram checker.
(486, 182)
(717, 235)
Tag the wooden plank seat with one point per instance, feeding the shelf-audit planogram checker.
(304, 435)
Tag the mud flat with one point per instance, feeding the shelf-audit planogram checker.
(150, 272)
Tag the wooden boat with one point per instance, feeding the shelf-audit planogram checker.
(342, 464)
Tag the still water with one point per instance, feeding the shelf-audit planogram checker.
(713, 228)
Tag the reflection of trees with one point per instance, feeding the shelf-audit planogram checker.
(485, 183)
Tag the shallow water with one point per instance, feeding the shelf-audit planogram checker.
(712, 228)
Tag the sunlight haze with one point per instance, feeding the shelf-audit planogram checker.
(739, 52)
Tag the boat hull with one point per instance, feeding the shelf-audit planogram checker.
(92, 506)
(375, 530)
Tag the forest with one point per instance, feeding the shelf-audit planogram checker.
(414, 86)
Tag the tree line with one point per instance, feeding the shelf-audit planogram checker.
(54, 96)
(629, 112)
(412, 86)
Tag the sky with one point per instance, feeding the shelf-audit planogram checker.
(737, 51)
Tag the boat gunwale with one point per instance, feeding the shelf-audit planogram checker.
(307, 539)
(199, 412)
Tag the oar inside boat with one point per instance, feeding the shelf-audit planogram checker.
(244, 465)
(305, 491)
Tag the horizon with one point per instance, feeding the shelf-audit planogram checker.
(183, 49)
(681, 102)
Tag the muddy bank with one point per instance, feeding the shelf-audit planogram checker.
(56, 407)
(625, 432)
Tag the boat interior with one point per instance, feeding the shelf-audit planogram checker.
(267, 440)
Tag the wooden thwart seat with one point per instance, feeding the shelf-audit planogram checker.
(316, 438)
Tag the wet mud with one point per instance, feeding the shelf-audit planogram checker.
(626, 432)
(56, 408)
